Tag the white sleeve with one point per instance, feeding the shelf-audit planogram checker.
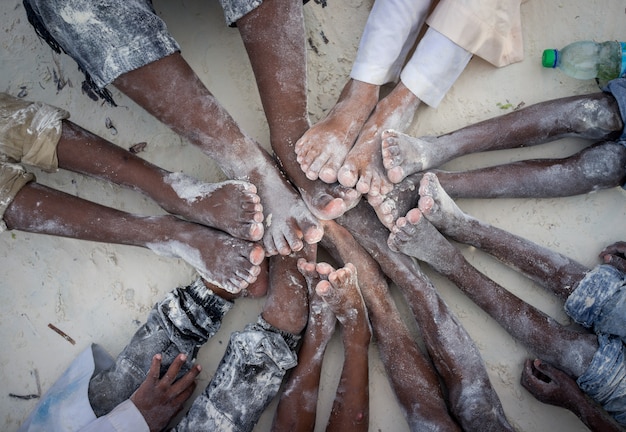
(434, 67)
(389, 34)
(124, 418)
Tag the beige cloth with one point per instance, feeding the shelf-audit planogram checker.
(29, 134)
(490, 29)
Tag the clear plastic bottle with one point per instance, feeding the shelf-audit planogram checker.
(587, 60)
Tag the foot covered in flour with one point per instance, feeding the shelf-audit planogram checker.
(225, 261)
(340, 290)
(322, 149)
(404, 155)
(230, 206)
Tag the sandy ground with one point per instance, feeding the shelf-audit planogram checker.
(101, 293)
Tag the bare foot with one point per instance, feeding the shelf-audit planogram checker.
(288, 221)
(438, 207)
(363, 167)
(231, 206)
(415, 236)
(322, 150)
(228, 262)
(321, 325)
(340, 290)
(398, 202)
(404, 155)
(328, 201)
(256, 289)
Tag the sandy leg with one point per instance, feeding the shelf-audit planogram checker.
(297, 408)
(404, 155)
(284, 97)
(207, 124)
(322, 150)
(398, 202)
(230, 263)
(231, 206)
(363, 167)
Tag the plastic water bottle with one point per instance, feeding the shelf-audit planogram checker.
(587, 60)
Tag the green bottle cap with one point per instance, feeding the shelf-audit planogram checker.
(548, 59)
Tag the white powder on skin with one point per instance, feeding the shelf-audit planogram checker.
(189, 188)
(177, 249)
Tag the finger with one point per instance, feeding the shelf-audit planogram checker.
(188, 380)
(172, 371)
(155, 368)
(179, 400)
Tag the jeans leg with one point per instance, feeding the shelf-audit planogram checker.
(247, 379)
(180, 323)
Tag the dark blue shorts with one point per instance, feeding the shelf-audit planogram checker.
(108, 38)
(599, 303)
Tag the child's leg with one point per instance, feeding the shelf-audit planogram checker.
(412, 377)
(297, 408)
(226, 261)
(231, 206)
(554, 271)
(595, 117)
(340, 290)
(600, 166)
(473, 401)
(281, 78)
(571, 350)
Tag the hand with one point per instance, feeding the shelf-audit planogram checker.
(160, 399)
(615, 255)
(549, 384)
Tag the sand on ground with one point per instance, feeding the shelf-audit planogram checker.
(101, 293)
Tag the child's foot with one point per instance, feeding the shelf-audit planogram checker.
(228, 262)
(288, 221)
(322, 150)
(438, 207)
(256, 289)
(231, 206)
(415, 236)
(340, 290)
(404, 155)
(328, 201)
(398, 202)
(363, 167)
(322, 321)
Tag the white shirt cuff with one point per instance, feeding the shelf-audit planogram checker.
(124, 418)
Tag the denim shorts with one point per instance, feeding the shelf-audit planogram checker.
(245, 382)
(617, 88)
(108, 38)
(180, 323)
(599, 303)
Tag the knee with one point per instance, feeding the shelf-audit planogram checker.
(596, 117)
(603, 165)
